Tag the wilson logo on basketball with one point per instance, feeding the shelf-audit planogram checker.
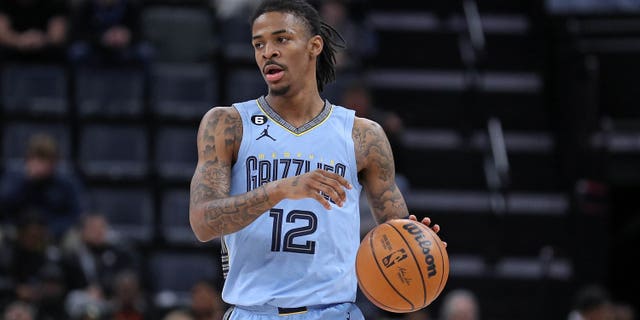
(425, 245)
(394, 257)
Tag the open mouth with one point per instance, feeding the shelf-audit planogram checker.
(273, 72)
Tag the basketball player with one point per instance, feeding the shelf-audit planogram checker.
(287, 207)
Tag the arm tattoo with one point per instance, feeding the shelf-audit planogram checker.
(375, 160)
(210, 186)
(234, 213)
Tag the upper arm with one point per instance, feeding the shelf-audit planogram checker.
(218, 140)
(377, 171)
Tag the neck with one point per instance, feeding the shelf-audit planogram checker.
(299, 108)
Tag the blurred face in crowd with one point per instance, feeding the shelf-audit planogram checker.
(333, 12)
(39, 168)
(206, 302)
(127, 287)
(357, 99)
(18, 311)
(94, 230)
(33, 236)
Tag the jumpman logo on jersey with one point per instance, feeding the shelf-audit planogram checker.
(265, 133)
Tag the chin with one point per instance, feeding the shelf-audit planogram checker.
(279, 91)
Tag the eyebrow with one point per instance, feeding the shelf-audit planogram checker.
(272, 33)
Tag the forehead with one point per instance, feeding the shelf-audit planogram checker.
(269, 22)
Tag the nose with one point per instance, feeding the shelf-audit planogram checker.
(270, 51)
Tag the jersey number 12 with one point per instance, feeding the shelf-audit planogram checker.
(286, 242)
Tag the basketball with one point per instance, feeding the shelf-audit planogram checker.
(402, 266)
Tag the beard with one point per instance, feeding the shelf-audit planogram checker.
(279, 91)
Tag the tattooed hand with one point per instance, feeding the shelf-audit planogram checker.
(314, 185)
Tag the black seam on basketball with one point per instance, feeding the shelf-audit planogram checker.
(385, 276)
(367, 293)
(424, 283)
(380, 303)
(441, 260)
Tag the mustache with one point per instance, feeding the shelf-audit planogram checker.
(271, 62)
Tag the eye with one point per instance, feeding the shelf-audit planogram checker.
(282, 39)
(258, 45)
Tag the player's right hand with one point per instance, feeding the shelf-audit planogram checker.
(315, 185)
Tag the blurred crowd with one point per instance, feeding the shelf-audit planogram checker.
(111, 32)
(59, 256)
(60, 259)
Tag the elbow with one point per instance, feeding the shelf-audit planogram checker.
(202, 237)
(199, 227)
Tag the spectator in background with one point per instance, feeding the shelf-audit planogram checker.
(92, 266)
(592, 302)
(128, 301)
(35, 269)
(41, 188)
(360, 37)
(206, 302)
(623, 311)
(460, 304)
(33, 30)
(107, 33)
(178, 315)
(19, 310)
(422, 314)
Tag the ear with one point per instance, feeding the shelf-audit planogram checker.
(315, 45)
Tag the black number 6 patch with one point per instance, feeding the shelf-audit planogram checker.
(259, 119)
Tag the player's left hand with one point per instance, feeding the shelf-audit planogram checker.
(427, 222)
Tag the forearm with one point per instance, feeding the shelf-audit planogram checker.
(388, 204)
(214, 218)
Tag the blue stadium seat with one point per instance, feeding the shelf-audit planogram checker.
(177, 157)
(128, 210)
(34, 89)
(179, 34)
(244, 84)
(235, 33)
(175, 217)
(184, 91)
(109, 92)
(113, 151)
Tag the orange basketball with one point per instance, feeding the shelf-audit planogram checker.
(402, 265)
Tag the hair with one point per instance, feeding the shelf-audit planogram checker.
(42, 146)
(325, 64)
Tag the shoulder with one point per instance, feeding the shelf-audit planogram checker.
(369, 140)
(224, 122)
(221, 114)
(364, 126)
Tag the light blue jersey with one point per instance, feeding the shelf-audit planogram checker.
(298, 253)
